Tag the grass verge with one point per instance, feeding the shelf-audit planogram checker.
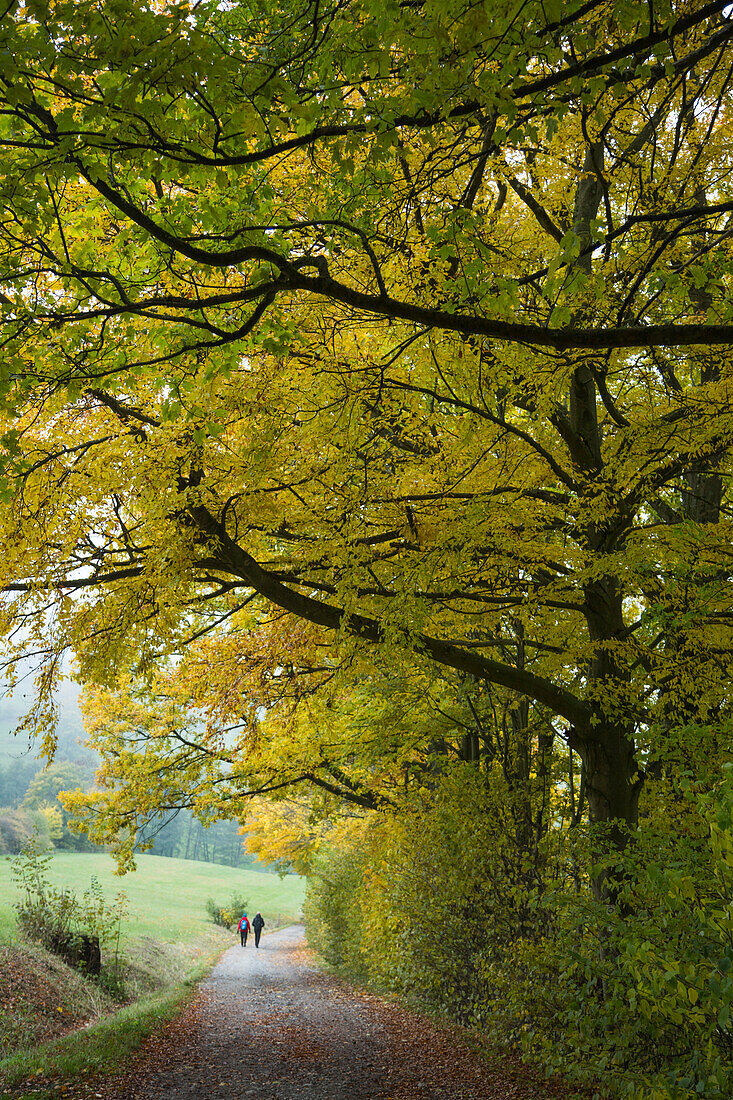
(102, 1047)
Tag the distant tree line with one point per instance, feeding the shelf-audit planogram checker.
(28, 792)
(184, 837)
(29, 802)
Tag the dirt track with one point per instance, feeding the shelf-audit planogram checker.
(266, 1024)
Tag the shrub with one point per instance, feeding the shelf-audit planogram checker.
(74, 928)
(634, 1000)
(229, 914)
(333, 908)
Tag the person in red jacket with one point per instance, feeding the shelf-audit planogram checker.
(243, 929)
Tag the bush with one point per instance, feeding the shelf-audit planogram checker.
(333, 908)
(229, 914)
(423, 905)
(634, 1000)
(74, 928)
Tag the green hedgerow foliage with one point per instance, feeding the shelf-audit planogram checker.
(442, 907)
(333, 908)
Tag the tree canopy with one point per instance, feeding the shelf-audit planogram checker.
(410, 325)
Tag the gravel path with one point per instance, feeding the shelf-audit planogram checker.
(266, 1024)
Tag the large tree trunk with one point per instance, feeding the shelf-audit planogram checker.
(607, 748)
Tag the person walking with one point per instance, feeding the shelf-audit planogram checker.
(243, 929)
(258, 924)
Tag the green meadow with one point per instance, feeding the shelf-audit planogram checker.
(166, 897)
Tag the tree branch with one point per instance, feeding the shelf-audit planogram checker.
(236, 560)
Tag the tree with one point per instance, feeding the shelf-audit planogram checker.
(17, 827)
(43, 793)
(47, 784)
(412, 324)
(15, 777)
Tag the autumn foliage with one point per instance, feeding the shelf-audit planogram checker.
(366, 397)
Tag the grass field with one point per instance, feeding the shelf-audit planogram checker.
(167, 897)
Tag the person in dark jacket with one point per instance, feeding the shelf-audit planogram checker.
(258, 924)
(243, 929)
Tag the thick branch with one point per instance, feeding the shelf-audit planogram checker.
(292, 278)
(238, 561)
